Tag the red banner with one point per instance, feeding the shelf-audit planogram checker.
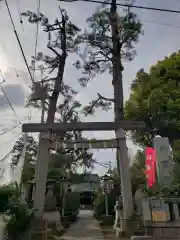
(150, 171)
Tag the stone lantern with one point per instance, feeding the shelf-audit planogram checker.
(65, 183)
(106, 181)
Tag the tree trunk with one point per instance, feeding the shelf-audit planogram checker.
(56, 92)
(119, 115)
(42, 163)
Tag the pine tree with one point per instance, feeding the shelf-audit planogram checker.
(97, 58)
(62, 42)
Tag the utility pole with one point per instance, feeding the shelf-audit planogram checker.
(40, 93)
(122, 153)
(44, 153)
(39, 191)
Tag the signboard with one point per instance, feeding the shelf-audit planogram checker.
(164, 161)
(159, 216)
(158, 209)
(150, 166)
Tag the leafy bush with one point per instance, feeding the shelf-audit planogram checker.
(72, 203)
(19, 216)
(99, 204)
(6, 191)
(105, 220)
(158, 190)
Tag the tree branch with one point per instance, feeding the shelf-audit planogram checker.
(54, 51)
(93, 104)
(105, 98)
(50, 30)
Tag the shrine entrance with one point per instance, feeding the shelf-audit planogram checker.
(87, 194)
(87, 198)
(50, 132)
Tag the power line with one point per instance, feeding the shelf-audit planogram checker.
(102, 165)
(2, 77)
(9, 130)
(12, 139)
(9, 103)
(130, 6)
(17, 37)
(6, 156)
(2, 89)
(2, 174)
(147, 8)
(37, 33)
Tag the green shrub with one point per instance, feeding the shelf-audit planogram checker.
(72, 203)
(18, 216)
(106, 220)
(99, 204)
(6, 192)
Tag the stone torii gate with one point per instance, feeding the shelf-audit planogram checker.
(49, 128)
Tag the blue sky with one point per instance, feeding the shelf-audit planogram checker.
(161, 38)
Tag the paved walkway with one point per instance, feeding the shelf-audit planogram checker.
(85, 228)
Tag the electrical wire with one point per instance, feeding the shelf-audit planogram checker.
(102, 165)
(2, 174)
(37, 33)
(2, 77)
(12, 139)
(9, 130)
(147, 8)
(17, 37)
(17, 75)
(10, 104)
(129, 6)
(6, 156)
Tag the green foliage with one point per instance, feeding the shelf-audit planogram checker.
(58, 164)
(19, 216)
(155, 99)
(99, 204)
(31, 149)
(72, 203)
(97, 56)
(62, 42)
(137, 171)
(6, 192)
(162, 191)
(106, 220)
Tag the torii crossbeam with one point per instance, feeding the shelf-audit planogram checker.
(82, 126)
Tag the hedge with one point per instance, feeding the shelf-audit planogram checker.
(99, 205)
(72, 203)
(6, 191)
